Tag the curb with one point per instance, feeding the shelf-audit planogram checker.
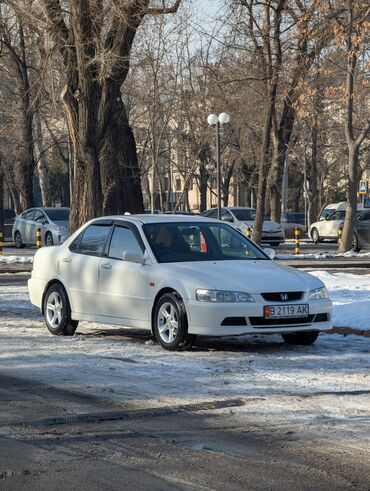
(345, 331)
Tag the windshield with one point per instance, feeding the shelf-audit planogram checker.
(184, 242)
(58, 215)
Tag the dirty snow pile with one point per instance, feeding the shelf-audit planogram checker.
(16, 259)
(324, 255)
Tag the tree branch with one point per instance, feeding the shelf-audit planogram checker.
(163, 10)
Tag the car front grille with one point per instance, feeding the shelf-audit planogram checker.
(276, 296)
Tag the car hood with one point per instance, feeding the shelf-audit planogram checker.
(252, 276)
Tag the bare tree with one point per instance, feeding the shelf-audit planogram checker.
(355, 29)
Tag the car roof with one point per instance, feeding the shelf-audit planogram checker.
(156, 218)
(232, 208)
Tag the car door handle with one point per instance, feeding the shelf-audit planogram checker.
(106, 266)
(66, 260)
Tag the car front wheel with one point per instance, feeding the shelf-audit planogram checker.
(49, 239)
(171, 323)
(301, 338)
(57, 312)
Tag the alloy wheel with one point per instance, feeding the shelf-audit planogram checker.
(54, 310)
(167, 322)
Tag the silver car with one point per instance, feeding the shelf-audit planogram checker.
(53, 223)
(243, 218)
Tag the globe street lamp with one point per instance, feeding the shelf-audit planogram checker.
(217, 120)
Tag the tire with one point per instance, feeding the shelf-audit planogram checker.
(315, 236)
(58, 318)
(355, 244)
(18, 240)
(301, 338)
(170, 323)
(49, 239)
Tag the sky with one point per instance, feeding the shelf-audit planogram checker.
(209, 6)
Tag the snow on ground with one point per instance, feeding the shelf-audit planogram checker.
(324, 255)
(350, 294)
(324, 388)
(16, 259)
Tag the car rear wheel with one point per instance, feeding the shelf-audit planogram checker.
(57, 312)
(18, 240)
(315, 235)
(301, 338)
(171, 323)
(355, 244)
(49, 239)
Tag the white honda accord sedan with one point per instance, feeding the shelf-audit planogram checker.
(177, 276)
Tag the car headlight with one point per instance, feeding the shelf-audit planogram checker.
(223, 296)
(318, 293)
(60, 228)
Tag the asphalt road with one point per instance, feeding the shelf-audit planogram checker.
(97, 444)
(52, 438)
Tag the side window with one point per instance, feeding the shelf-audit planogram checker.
(226, 216)
(39, 217)
(28, 215)
(364, 217)
(93, 240)
(212, 214)
(123, 239)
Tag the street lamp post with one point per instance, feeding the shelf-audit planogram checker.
(217, 121)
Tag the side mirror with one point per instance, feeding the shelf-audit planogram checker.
(133, 257)
(44, 221)
(269, 252)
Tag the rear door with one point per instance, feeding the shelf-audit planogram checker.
(27, 227)
(39, 221)
(79, 267)
(332, 225)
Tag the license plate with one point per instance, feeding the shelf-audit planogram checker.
(285, 311)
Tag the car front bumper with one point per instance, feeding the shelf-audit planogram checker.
(59, 237)
(206, 318)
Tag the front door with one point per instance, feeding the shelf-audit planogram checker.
(123, 286)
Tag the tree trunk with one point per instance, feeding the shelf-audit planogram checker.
(42, 166)
(1, 202)
(87, 196)
(121, 181)
(27, 164)
(313, 192)
(264, 164)
(203, 186)
(351, 210)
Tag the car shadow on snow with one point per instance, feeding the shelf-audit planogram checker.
(249, 344)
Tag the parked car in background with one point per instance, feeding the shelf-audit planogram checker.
(8, 220)
(243, 218)
(177, 276)
(53, 223)
(327, 228)
(331, 208)
(361, 234)
(292, 220)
